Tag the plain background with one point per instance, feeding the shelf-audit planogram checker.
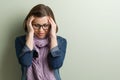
(91, 27)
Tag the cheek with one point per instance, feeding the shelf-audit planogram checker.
(46, 32)
(35, 31)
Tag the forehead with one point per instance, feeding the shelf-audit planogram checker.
(41, 20)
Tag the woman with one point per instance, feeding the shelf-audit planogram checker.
(40, 52)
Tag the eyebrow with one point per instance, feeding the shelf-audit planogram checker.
(40, 24)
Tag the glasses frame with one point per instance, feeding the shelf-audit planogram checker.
(38, 26)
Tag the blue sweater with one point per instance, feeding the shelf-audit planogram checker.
(55, 57)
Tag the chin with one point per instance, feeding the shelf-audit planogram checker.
(41, 37)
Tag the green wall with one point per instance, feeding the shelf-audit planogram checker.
(92, 29)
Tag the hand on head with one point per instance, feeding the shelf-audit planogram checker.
(29, 24)
(53, 27)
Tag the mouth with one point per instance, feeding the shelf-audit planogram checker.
(41, 33)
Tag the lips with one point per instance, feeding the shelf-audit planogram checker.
(41, 33)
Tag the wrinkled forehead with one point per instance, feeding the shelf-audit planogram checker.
(41, 20)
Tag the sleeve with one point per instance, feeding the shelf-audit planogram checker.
(24, 54)
(57, 55)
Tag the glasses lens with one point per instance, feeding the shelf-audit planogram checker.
(46, 26)
(36, 26)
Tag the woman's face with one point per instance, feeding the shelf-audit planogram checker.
(41, 26)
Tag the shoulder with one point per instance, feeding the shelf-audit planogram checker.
(61, 39)
(20, 38)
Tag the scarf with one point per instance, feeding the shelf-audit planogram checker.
(39, 70)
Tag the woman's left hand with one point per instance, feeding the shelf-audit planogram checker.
(53, 27)
(53, 36)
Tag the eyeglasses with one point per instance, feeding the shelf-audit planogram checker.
(44, 26)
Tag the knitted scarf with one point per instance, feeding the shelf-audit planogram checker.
(39, 70)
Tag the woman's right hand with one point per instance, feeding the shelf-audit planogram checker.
(29, 37)
(29, 24)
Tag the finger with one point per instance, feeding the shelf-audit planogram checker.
(52, 21)
(53, 25)
(31, 19)
(29, 22)
(49, 20)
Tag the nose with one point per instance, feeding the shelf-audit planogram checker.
(41, 29)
